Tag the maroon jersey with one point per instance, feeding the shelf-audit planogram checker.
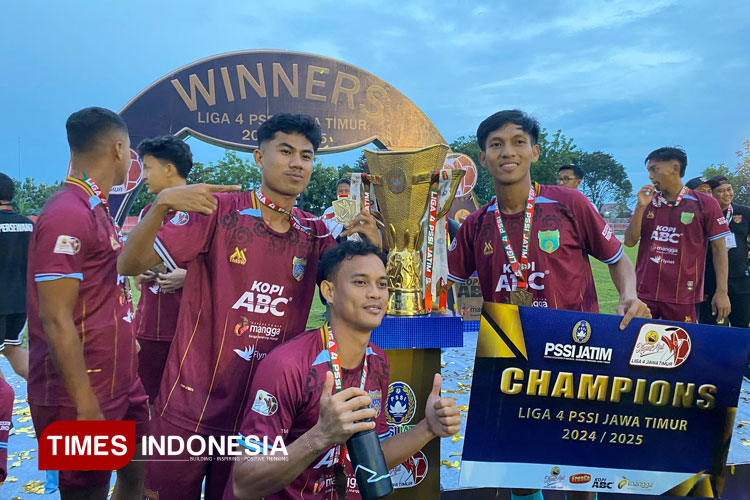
(286, 402)
(6, 410)
(672, 252)
(248, 288)
(566, 229)
(156, 315)
(74, 237)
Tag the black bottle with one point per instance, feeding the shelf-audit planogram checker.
(368, 463)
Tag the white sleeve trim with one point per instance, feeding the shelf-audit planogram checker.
(722, 235)
(614, 259)
(161, 250)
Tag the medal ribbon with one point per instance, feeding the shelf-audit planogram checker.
(292, 219)
(430, 247)
(659, 199)
(333, 351)
(77, 176)
(7, 207)
(518, 269)
(730, 212)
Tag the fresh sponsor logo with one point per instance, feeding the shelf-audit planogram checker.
(68, 245)
(661, 346)
(579, 478)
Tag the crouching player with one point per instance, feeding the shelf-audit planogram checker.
(297, 396)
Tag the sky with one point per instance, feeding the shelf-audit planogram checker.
(623, 76)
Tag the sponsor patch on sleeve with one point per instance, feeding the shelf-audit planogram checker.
(68, 245)
(265, 403)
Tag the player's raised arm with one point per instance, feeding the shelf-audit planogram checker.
(633, 232)
(138, 253)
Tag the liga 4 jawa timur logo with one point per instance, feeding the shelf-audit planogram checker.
(661, 346)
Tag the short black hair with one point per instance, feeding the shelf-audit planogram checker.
(578, 171)
(86, 126)
(7, 188)
(344, 180)
(171, 149)
(527, 123)
(670, 153)
(331, 260)
(290, 123)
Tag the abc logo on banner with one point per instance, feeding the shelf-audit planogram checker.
(460, 161)
(87, 445)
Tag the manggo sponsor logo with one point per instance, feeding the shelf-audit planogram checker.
(263, 298)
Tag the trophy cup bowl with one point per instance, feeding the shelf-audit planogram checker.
(402, 187)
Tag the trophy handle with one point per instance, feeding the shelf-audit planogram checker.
(456, 176)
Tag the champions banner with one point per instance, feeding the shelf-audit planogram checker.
(565, 400)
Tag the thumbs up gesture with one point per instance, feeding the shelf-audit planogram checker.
(441, 414)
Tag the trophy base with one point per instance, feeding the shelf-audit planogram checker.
(406, 303)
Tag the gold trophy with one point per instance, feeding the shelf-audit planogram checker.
(402, 186)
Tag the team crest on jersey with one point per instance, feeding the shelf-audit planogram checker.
(265, 403)
(549, 241)
(453, 244)
(377, 397)
(737, 219)
(298, 268)
(488, 250)
(238, 256)
(650, 214)
(180, 218)
(687, 217)
(400, 404)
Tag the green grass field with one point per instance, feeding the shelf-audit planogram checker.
(608, 296)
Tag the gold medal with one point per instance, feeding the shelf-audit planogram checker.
(521, 297)
(344, 210)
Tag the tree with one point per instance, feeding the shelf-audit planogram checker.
(552, 154)
(739, 178)
(322, 188)
(605, 179)
(30, 197)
